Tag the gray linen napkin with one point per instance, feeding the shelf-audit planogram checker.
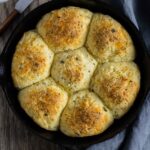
(137, 136)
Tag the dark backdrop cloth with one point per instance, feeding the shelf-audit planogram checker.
(136, 136)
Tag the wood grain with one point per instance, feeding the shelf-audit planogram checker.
(5, 24)
(13, 134)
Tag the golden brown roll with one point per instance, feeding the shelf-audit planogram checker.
(31, 61)
(73, 69)
(75, 72)
(117, 84)
(44, 103)
(85, 115)
(65, 28)
(109, 41)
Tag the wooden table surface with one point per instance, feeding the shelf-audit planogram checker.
(13, 134)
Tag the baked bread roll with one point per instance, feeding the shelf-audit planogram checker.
(117, 84)
(31, 61)
(73, 69)
(44, 103)
(75, 72)
(108, 41)
(65, 28)
(85, 115)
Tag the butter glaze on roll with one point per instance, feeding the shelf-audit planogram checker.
(85, 115)
(65, 28)
(31, 61)
(117, 84)
(108, 41)
(44, 103)
(73, 69)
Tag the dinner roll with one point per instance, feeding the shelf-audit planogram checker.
(65, 28)
(85, 115)
(44, 103)
(117, 84)
(73, 69)
(109, 41)
(31, 61)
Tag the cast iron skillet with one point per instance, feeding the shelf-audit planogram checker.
(28, 23)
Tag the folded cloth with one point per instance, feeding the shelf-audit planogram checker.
(136, 136)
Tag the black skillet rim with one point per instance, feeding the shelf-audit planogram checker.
(61, 139)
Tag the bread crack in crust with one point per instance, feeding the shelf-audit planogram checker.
(108, 41)
(31, 61)
(73, 69)
(44, 103)
(85, 115)
(117, 84)
(65, 29)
